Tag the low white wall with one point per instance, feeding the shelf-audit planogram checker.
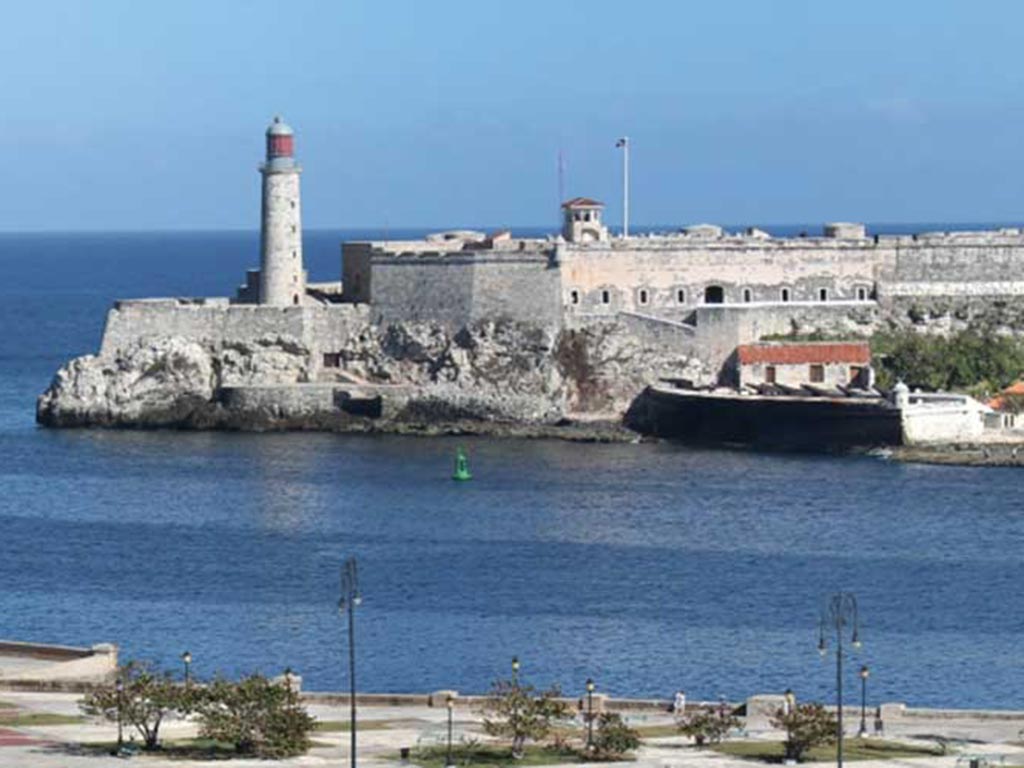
(937, 423)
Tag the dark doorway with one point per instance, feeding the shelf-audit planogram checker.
(714, 294)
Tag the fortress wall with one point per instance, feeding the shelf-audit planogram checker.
(523, 288)
(840, 267)
(355, 272)
(988, 267)
(217, 322)
(422, 288)
(129, 322)
(459, 288)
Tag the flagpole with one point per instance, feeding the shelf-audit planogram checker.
(624, 143)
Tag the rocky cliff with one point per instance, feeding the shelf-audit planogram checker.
(412, 376)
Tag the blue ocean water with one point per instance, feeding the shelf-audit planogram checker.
(648, 567)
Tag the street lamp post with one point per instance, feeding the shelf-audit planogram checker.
(119, 687)
(623, 144)
(450, 703)
(350, 598)
(186, 659)
(590, 714)
(515, 671)
(864, 673)
(839, 612)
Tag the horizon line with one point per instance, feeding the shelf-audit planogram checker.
(614, 230)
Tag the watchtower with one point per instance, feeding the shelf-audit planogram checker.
(581, 221)
(282, 278)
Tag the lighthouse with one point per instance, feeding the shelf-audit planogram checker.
(282, 279)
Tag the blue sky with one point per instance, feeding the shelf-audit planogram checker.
(147, 115)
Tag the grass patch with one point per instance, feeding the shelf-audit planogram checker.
(657, 731)
(8, 705)
(15, 720)
(491, 755)
(181, 749)
(853, 749)
(337, 726)
(176, 749)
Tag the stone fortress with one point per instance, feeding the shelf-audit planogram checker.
(467, 328)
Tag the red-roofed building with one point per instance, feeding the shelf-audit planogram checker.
(825, 364)
(1009, 398)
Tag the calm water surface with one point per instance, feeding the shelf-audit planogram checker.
(647, 567)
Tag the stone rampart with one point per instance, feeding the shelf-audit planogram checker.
(673, 275)
(215, 322)
(456, 289)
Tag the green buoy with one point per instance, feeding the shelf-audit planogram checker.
(461, 466)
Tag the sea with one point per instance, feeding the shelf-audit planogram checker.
(648, 567)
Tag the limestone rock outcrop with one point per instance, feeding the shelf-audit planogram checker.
(400, 377)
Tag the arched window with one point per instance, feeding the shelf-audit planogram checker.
(785, 294)
(823, 294)
(606, 297)
(680, 296)
(642, 296)
(574, 296)
(295, 299)
(862, 293)
(748, 296)
(714, 294)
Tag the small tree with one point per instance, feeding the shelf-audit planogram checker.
(519, 713)
(613, 738)
(708, 726)
(146, 697)
(257, 716)
(806, 726)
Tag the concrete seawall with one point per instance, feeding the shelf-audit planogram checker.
(27, 665)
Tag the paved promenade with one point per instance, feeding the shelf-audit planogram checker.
(393, 727)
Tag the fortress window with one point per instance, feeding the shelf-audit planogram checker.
(785, 294)
(823, 294)
(862, 294)
(714, 294)
(574, 296)
(295, 299)
(643, 296)
(606, 297)
(769, 374)
(748, 296)
(680, 296)
(817, 374)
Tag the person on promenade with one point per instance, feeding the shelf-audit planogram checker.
(679, 703)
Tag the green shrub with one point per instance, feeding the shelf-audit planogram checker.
(146, 698)
(517, 712)
(806, 726)
(257, 716)
(962, 361)
(708, 726)
(613, 738)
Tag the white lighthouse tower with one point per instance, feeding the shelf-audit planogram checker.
(282, 279)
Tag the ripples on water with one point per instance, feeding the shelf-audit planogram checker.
(647, 567)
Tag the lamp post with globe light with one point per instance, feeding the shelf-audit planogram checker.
(840, 614)
(864, 674)
(590, 713)
(350, 598)
(186, 659)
